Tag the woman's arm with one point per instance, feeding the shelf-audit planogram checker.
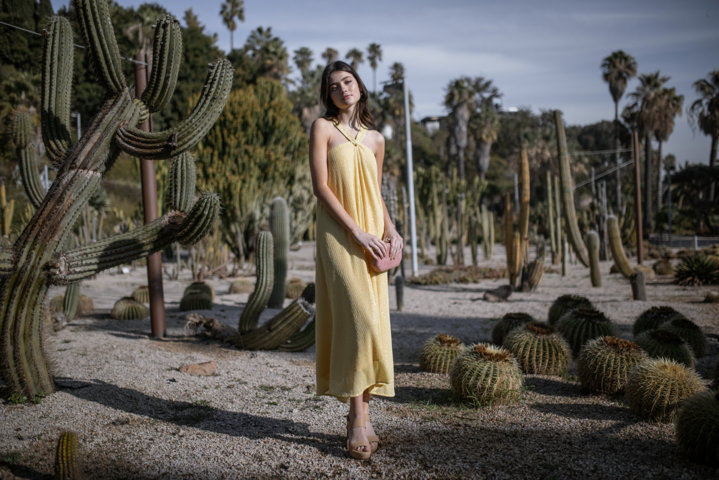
(319, 141)
(390, 232)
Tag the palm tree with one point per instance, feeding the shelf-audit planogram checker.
(268, 53)
(231, 10)
(670, 105)
(330, 55)
(485, 122)
(617, 69)
(704, 112)
(374, 55)
(355, 56)
(303, 59)
(647, 103)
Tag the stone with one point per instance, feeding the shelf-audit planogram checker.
(204, 369)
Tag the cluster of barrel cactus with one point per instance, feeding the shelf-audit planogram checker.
(605, 363)
(439, 353)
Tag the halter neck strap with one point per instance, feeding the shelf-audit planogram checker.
(355, 140)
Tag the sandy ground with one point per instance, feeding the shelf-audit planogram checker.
(137, 416)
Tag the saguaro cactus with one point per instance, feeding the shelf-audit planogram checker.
(567, 193)
(280, 227)
(615, 245)
(593, 247)
(523, 205)
(38, 258)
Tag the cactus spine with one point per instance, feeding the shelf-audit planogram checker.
(615, 245)
(605, 363)
(439, 353)
(280, 227)
(263, 286)
(698, 428)
(593, 248)
(539, 349)
(565, 179)
(40, 253)
(67, 457)
(485, 374)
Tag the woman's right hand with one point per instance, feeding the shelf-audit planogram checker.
(374, 245)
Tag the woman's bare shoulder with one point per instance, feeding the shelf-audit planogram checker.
(375, 138)
(321, 124)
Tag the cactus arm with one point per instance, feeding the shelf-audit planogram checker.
(30, 178)
(263, 286)
(166, 59)
(171, 142)
(615, 245)
(7, 262)
(567, 192)
(301, 340)
(181, 184)
(88, 260)
(56, 84)
(94, 17)
(278, 329)
(280, 228)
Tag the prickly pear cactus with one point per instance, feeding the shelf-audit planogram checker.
(141, 294)
(39, 257)
(698, 428)
(605, 363)
(565, 303)
(539, 349)
(127, 308)
(67, 457)
(280, 228)
(583, 324)
(689, 332)
(665, 344)
(507, 323)
(439, 353)
(653, 317)
(657, 386)
(485, 374)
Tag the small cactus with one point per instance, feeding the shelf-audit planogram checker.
(689, 332)
(195, 301)
(485, 374)
(565, 303)
(507, 323)
(615, 245)
(241, 285)
(583, 324)
(663, 267)
(697, 269)
(199, 288)
(665, 344)
(294, 288)
(539, 349)
(141, 294)
(605, 363)
(67, 457)
(592, 242)
(657, 386)
(439, 353)
(127, 308)
(698, 428)
(653, 317)
(259, 297)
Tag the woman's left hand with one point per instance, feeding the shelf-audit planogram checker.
(395, 241)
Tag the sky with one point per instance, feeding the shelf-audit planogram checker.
(541, 55)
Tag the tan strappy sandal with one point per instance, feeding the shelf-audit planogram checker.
(360, 421)
(372, 439)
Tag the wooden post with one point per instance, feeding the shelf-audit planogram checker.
(638, 198)
(149, 202)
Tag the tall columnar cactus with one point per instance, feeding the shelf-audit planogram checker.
(485, 374)
(264, 271)
(605, 363)
(71, 300)
(689, 332)
(550, 219)
(524, 189)
(487, 232)
(399, 291)
(7, 208)
(67, 457)
(507, 323)
(280, 228)
(278, 329)
(664, 344)
(583, 324)
(657, 386)
(300, 340)
(615, 245)
(565, 179)
(539, 349)
(564, 304)
(653, 317)
(39, 255)
(593, 249)
(439, 353)
(558, 223)
(698, 428)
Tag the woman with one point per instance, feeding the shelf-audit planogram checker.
(353, 342)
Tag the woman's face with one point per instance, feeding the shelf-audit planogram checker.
(344, 90)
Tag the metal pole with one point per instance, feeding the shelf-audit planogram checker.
(149, 202)
(637, 197)
(410, 180)
(669, 205)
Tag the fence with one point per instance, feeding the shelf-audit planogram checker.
(682, 241)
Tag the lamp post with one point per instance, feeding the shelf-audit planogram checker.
(669, 165)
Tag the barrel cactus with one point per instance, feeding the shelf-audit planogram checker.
(653, 317)
(85, 305)
(241, 285)
(195, 301)
(565, 303)
(485, 374)
(689, 332)
(67, 457)
(665, 344)
(41, 256)
(583, 324)
(507, 323)
(294, 288)
(199, 288)
(127, 308)
(539, 349)
(141, 294)
(698, 428)
(605, 363)
(656, 387)
(439, 353)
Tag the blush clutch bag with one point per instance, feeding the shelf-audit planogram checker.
(385, 263)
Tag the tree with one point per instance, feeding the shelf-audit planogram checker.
(670, 105)
(355, 56)
(485, 122)
(704, 113)
(231, 10)
(303, 59)
(267, 54)
(374, 55)
(617, 69)
(330, 55)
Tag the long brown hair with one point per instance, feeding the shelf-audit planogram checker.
(361, 113)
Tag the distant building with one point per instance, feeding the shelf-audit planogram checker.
(432, 124)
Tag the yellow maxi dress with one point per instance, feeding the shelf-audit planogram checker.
(353, 336)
